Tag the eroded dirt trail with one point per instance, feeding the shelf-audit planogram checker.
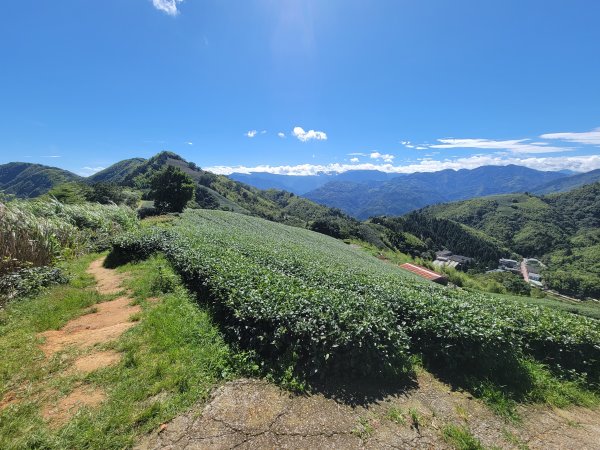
(105, 322)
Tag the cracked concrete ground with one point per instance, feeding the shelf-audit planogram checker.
(254, 414)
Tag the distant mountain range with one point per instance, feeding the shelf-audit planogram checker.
(366, 193)
(301, 184)
(360, 193)
(405, 193)
(567, 183)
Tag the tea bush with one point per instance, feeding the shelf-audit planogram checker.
(28, 281)
(323, 306)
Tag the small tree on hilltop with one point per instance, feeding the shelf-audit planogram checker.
(171, 189)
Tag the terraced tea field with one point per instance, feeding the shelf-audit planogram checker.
(317, 305)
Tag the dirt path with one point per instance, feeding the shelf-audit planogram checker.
(253, 414)
(105, 322)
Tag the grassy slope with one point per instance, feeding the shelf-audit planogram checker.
(171, 359)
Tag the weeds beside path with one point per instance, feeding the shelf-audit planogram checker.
(76, 371)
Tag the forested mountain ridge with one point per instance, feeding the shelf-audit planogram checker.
(27, 180)
(116, 173)
(220, 192)
(301, 184)
(568, 183)
(412, 191)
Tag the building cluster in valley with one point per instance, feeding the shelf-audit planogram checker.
(445, 258)
(529, 268)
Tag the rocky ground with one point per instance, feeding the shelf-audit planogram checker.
(253, 414)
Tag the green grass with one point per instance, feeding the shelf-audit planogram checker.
(364, 429)
(171, 359)
(513, 439)
(396, 415)
(537, 385)
(461, 438)
(415, 418)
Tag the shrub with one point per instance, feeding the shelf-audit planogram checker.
(171, 189)
(28, 281)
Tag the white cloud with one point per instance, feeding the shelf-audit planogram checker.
(251, 133)
(281, 135)
(189, 143)
(354, 160)
(87, 171)
(588, 137)
(385, 156)
(523, 146)
(309, 135)
(167, 6)
(51, 156)
(555, 163)
(357, 154)
(263, 132)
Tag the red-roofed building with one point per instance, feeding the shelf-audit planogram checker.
(423, 272)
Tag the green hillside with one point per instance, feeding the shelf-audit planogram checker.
(562, 229)
(27, 180)
(433, 233)
(220, 192)
(117, 172)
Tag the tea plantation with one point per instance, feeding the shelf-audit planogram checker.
(319, 306)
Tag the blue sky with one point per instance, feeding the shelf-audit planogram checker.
(292, 86)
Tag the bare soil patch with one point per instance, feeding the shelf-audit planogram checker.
(60, 412)
(8, 399)
(109, 322)
(108, 281)
(98, 360)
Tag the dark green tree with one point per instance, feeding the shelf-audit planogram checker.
(171, 189)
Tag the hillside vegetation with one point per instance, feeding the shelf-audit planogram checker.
(219, 192)
(116, 173)
(316, 305)
(37, 234)
(567, 183)
(562, 229)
